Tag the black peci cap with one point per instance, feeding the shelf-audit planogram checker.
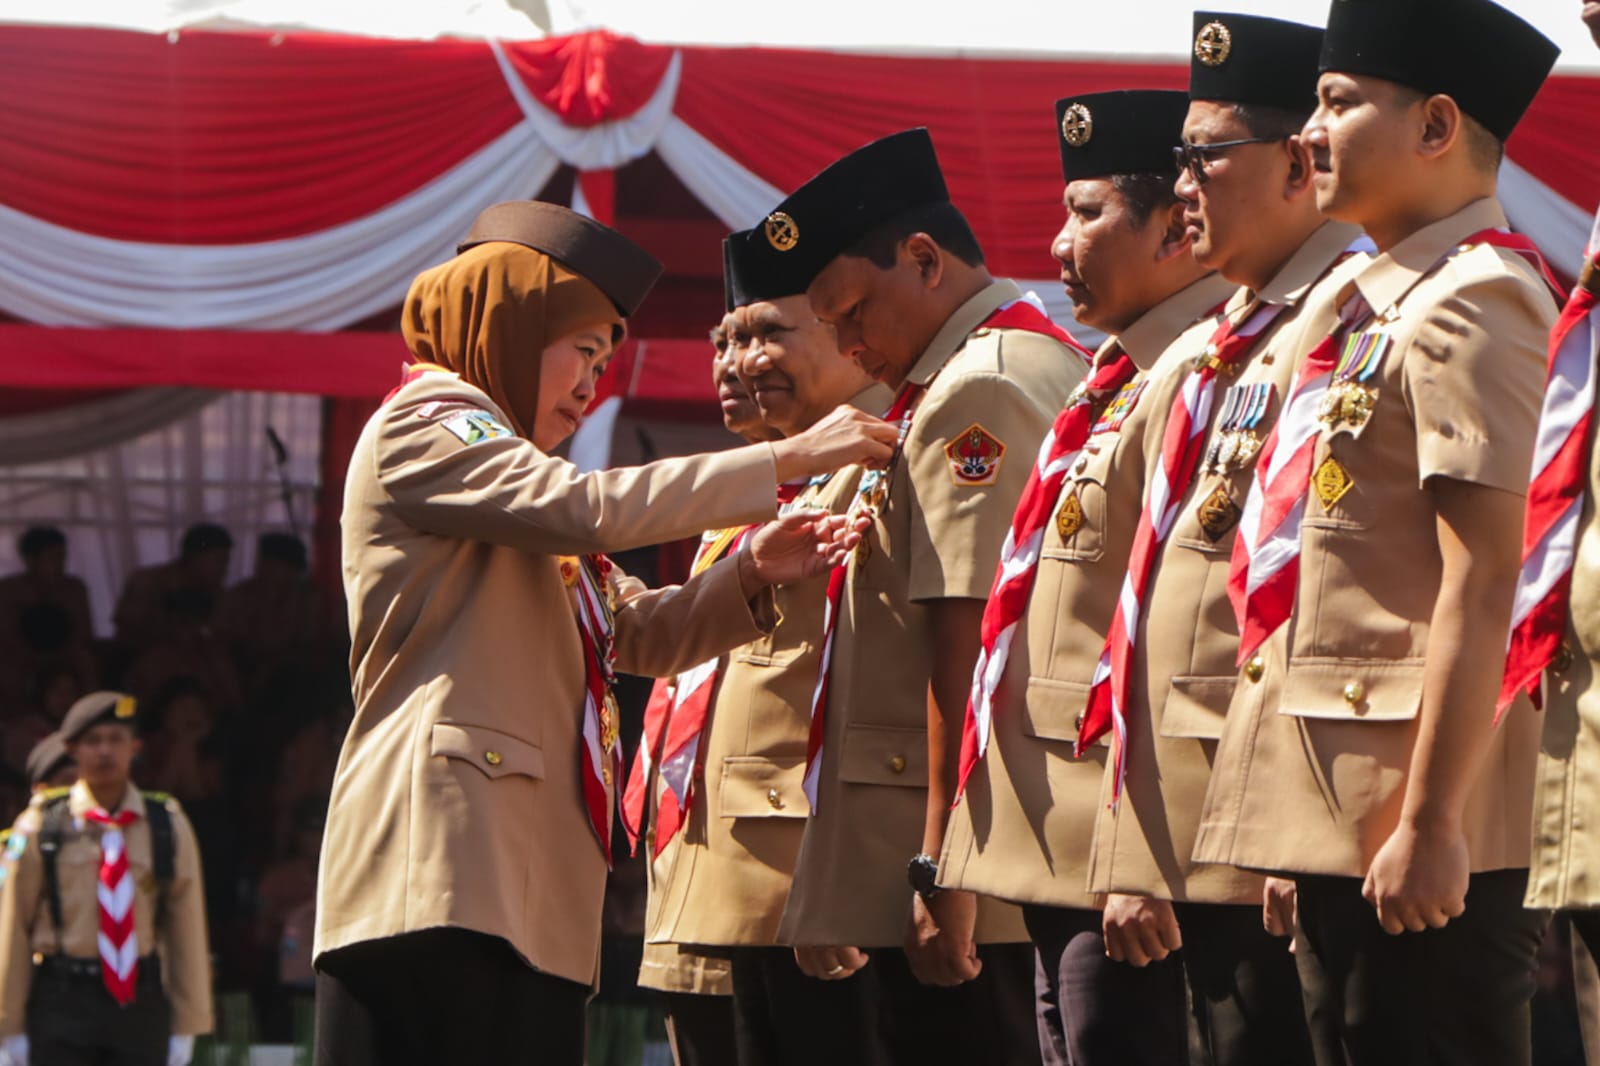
(754, 270)
(1247, 59)
(47, 757)
(98, 708)
(866, 190)
(1129, 131)
(614, 264)
(1484, 57)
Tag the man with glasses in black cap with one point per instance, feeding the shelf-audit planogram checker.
(1246, 183)
(1375, 571)
(1021, 831)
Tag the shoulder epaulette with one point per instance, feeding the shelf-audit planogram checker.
(55, 795)
(156, 797)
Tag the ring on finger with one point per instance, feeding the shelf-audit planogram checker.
(838, 968)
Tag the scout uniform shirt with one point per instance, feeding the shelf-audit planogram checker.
(1565, 868)
(1021, 831)
(458, 798)
(27, 928)
(1311, 770)
(937, 535)
(1183, 660)
(731, 876)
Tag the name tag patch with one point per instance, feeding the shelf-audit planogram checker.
(475, 427)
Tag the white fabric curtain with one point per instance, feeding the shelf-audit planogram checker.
(126, 504)
(94, 425)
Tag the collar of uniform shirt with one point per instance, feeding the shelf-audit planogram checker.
(958, 327)
(1387, 279)
(1153, 331)
(80, 801)
(1310, 262)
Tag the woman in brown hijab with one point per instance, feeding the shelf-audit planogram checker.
(465, 856)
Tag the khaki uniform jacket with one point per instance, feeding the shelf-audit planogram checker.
(457, 799)
(936, 536)
(26, 926)
(1022, 829)
(1312, 767)
(731, 876)
(1188, 641)
(1565, 870)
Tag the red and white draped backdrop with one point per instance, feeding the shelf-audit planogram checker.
(241, 210)
(292, 185)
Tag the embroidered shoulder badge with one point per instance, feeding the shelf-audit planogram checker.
(16, 844)
(474, 427)
(1121, 406)
(975, 456)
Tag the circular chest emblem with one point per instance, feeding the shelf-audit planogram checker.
(782, 232)
(1077, 125)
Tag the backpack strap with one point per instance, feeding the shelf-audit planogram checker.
(52, 831)
(163, 848)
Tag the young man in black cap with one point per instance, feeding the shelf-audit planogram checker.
(1021, 830)
(103, 955)
(979, 372)
(1250, 206)
(1360, 753)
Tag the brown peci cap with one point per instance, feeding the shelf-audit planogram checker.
(617, 267)
(47, 757)
(99, 708)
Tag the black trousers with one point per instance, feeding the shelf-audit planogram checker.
(781, 1017)
(884, 1016)
(700, 1029)
(1090, 1010)
(73, 1021)
(1586, 978)
(1457, 996)
(444, 997)
(1244, 993)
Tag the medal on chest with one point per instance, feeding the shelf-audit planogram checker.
(1351, 395)
(1119, 408)
(1237, 438)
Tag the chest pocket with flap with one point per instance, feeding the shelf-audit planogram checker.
(491, 752)
(759, 787)
(1077, 529)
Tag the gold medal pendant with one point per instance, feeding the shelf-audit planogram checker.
(1331, 481)
(1218, 514)
(1069, 519)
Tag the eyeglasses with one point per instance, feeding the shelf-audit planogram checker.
(1193, 157)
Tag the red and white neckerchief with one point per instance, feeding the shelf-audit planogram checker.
(1023, 314)
(1263, 575)
(600, 761)
(1181, 444)
(119, 942)
(658, 712)
(1019, 554)
(1556, 489)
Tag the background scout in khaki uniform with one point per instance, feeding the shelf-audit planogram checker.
(1359, 753)
(696, 989)
(894, 267)
(1565, 861)
(108, 964)
(1021, 830)
(729, 881)
(1247, 184)
(458, 916)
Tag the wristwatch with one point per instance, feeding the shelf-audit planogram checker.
(923, 873)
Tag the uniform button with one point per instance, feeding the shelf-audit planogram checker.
(1083, 464)
(492, 757)
(1255, 668)
(897, 763)
(1563, 660)
(1354, 693)
(774, 800)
